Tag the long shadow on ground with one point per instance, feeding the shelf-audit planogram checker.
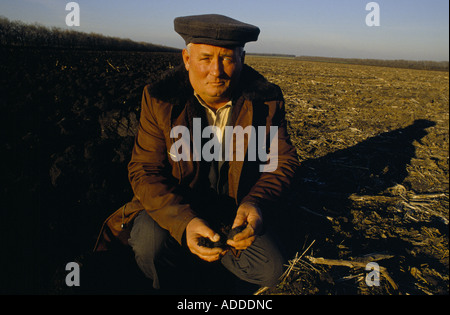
(319, 207)
(324, 185)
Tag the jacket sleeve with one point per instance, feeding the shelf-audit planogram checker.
(150, 174)
(274, 181)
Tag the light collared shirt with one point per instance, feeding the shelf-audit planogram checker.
(220, 119)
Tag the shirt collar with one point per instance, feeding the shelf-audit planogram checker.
(202, 102)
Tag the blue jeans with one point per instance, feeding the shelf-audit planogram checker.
(154, 249)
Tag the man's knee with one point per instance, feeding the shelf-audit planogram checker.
(272, 273)
(261, 264)
(269, 272)
(147, 238)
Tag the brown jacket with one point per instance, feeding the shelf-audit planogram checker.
(166, 189)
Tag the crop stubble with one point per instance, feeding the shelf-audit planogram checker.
(373, 142)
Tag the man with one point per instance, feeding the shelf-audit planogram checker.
(183, 199)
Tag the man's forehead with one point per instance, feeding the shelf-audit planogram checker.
(210, 49)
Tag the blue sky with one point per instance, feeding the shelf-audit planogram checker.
(410, 29)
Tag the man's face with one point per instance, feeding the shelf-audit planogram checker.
(213, 71)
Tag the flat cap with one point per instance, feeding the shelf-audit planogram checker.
(215, 29)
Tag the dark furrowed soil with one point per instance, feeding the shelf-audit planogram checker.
(374, 177)
(68, 125)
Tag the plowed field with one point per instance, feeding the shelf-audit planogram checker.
(374, 179)
(373, 185)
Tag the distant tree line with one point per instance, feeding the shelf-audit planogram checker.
(271, 55)
(19, 34)
(408, 64)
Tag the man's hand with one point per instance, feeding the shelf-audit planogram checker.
(196, 229)
(250, 215)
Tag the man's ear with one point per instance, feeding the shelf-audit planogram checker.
(186, 57)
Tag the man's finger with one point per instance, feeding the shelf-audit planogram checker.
(246, 233)
(208, 254)
(244, 239)
(243, 244)
(214, 238)
(238, 221)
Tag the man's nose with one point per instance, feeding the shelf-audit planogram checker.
(216, 67)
